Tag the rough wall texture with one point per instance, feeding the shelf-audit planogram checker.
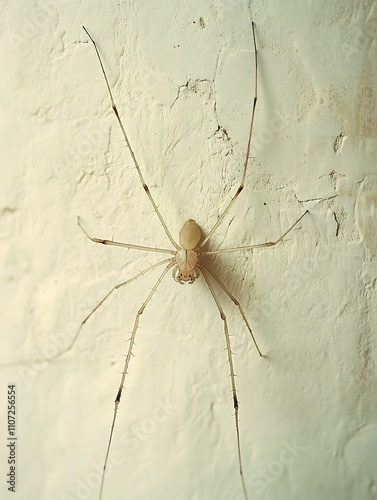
(182, 75)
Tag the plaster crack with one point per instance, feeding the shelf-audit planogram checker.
(337, 224)
(316, 199)
(192, 86)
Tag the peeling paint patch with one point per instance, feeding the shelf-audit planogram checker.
(359, 453)
(7, 221)
(338, 143)
(366, 214)
(335, 177)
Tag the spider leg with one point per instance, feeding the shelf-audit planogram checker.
(125, 369)
(125, 245)
(116, 287)
(233, 298)
(232, 376)
(115, 109)
(260, 245)
(241, 186)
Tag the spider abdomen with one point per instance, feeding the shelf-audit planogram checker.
(189, 235)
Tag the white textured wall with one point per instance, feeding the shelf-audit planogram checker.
(311, 301)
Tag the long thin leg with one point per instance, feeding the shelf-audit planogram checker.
(260, 245)
(232, 377)
(241, 186)
(125, 370)
(125, 245)
(116, 287)
(231, 296)
(145, 187)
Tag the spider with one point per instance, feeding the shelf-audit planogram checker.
(186, 264)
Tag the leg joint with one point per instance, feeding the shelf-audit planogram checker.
(235, 402)
(118, 396)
